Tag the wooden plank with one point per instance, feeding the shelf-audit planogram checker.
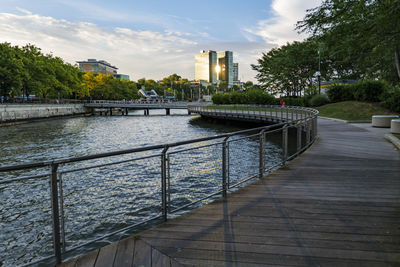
(70, 263)
(159, 259)
(106, 255)
(88, 260)
(277, 240)
(142, 254)
(124, 255)
(295, 247)
(337, 204)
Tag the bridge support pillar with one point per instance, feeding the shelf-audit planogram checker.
(189, 113)
(167, 111)
(110, 111)
(146, 112)
(126, 111)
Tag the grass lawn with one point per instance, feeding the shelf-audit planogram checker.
(397, 135)
(353, 110)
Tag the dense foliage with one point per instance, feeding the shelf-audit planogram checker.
(254, 96)
(318, 100)
(361, 38)
(27, 71)
(367, 91)
(350, 40)
(289, 69)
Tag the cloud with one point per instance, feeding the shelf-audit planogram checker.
(135, 52)
(138, 53)
(279, 29)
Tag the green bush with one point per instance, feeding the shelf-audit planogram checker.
(390, 99)
(255, 97)
(237, 98)
(338, 93)
(368, 90)
(217, 99)
(294, 101)
(318, 100)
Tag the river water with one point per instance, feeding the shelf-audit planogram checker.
(102, 199)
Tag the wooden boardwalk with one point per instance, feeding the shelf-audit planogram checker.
(338, 204)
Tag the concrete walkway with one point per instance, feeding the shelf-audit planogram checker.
(338, 204)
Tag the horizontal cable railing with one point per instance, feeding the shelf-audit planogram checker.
(142, 184)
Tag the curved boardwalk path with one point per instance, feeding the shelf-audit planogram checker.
(338, 204)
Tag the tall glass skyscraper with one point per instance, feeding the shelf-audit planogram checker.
(206, 66)
(225, 62)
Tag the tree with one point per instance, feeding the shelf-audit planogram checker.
(288, 69)
(362, 35)
(11, 70)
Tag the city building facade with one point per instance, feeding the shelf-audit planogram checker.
(235, 72)
(97, 66)
(225, 63)
(206, 66)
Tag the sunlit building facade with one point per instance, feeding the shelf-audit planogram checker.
(97, 66)
(225, 63)
(206, 66)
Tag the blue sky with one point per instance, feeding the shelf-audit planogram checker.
(153, 39)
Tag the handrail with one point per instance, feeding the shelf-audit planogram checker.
(304, 120)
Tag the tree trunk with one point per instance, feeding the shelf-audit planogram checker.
(397, 60)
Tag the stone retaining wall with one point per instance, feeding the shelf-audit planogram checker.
(10, 113)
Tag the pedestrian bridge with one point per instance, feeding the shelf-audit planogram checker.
(125, 106)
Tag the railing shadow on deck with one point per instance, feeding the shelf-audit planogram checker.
(136, 186)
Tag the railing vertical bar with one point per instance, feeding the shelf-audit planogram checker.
(169, 182)
(261, 154)
(284, 144)
(55, 213)
(224, 166)
(164, 184)
(298, 129)
(60, 185)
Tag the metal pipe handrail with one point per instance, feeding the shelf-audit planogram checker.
(126, 151)
(305, 124)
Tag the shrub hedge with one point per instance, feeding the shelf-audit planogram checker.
(390, 99)
(318, 100)
(258, 97)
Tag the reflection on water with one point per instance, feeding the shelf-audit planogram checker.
(102, 199)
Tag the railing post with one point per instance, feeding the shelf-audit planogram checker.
(62, 217)
(299, 129)
(55, 213)
(284, 144)
(164, 183)
(224, 166)
(308, 132)
(261, 154)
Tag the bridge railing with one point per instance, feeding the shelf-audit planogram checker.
(273, 112)
(60, 206)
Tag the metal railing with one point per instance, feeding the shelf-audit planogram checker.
(272, 112)
(215, 165)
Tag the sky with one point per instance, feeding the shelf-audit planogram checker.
(153, 38)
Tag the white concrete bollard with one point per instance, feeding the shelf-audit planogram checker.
(383, 121)
(395, 126)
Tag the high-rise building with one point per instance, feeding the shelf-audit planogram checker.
(225, 62)
(206, 66)
(235, 72)
(97, 66)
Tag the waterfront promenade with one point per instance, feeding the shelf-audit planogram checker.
(338, 204)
